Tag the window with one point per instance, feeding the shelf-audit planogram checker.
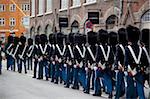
(25, 7)
(33, 8)
(146, 17)
(40, 7)
(75, 3)
(90, 1)
(49, 6)
(2, 22)
(63, 4)
(2, 7)
(12, 22)
(12, 7)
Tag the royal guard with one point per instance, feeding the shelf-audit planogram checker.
(8, 51)
(29, 53)
(105, 59)
(44, 50)
(51, 56)
(60, 49)
(119, 63)
(15, 53)
(90, 57)
(134, 65)
(36, 54)
(145, 46)
(21, 54)
(69, 59)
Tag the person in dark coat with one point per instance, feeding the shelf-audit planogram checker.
(145, 46)
(29, 53)
(119, 63)
(134, 65)
(36, 54)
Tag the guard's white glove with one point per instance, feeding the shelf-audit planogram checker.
(95, 68)
(75, 66)
(86, 69)
(125, 73)
(65, 65)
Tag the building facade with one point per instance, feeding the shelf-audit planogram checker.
(48, 16)
(11, 16)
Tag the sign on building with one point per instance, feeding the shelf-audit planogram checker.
(63, 22)
(93, 17)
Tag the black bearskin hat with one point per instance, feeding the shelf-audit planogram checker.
(23, 39)
(52, 38)
(16, 40)
(37, 39)
(10, 39)
(145, 36)
(30, 41)
(43, 38)
(71, 38)
(77, 38)
(59, 38)
(122, 36)
(133, 33)
(102, 36)
(113, 38)
(92, 38)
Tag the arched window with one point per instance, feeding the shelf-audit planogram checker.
(32, 30)
(48, 29)
(146, 16)
(111, 22)
(145, 20)
(39, 30)
(75, 27)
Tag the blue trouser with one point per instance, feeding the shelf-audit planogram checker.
(64, 73)
(82, 77)
(40, 71)
(0, 66)
(20, 65)
(93, 78)
(75, 77)
(52, 66)
(10, 62)
(88, 77)
(138, 90)
(46, 66)
(107, 80)
(120, 84)
(29, 63)
(68, 75)
(97, 84)
(58, 72)
(35, 68)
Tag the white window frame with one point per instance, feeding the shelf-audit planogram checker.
(48, 6)
(89, 2)
(2, 21)
(25, 7)
(40, 7)
(12, 22)
(12, 7)
(75, 4)
(32, 8)
(2, 7)
(64, 5)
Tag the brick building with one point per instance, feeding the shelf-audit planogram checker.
(49, 16)
(11, 14)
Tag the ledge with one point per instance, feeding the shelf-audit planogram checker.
(76, 6)
(40, 15)
(62, 9)
(49, 12)
(89, 3)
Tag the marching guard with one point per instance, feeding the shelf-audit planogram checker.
(134, 63)
(36, 55)
(119, 63)
(29, 54)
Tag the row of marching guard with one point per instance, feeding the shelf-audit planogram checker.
(114, 63)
